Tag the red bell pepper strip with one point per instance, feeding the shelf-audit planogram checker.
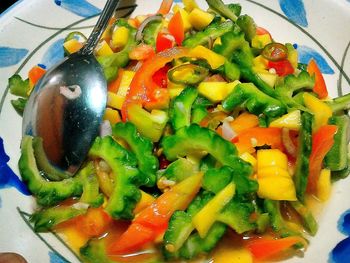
(258, 136)
(142, 85)
(164, 41)
(159, 99)
(176, 28)
(35, 73)
(322, 142)
(161, 76)
(153, 220)
(165, 7)
(320, 87)
(282, 67)
(266, 247)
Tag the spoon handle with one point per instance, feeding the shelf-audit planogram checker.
(100, 26)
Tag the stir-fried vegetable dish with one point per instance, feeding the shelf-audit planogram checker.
(216, 143)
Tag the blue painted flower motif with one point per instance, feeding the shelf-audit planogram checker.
(56, 258)
(11, 56)
(341, 252)
(307, 53)
(54, 54)
(79, 7)
(7, 177)
(295, 11)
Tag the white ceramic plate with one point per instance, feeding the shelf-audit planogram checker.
(32, 32)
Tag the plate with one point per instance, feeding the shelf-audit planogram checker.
(32, 32)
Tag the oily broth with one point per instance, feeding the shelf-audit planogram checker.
(229, 249)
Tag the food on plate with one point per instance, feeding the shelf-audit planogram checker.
(215, 145)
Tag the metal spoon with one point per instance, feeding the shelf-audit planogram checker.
(66, 106)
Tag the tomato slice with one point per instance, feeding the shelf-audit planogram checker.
(142, 85)
(283, 67)
(164, 41)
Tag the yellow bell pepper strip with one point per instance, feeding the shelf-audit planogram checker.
(266, 247)
(322, 142)
(322, 112)
(320, 87)
(153, 220)
(206, 217)
(215, 60)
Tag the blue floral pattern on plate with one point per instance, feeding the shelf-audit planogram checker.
(341, 252)
(10, 56)
(7, 177)
(54, 54)
(307, 53)
(294, 10)
(79, 7)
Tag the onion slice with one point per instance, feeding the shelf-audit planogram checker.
(288, 143)
(227, 131)
(139, 36)
(105, 128)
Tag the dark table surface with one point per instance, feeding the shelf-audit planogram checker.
(4, 4)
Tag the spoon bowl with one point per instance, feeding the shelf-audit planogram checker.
(66, 107)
